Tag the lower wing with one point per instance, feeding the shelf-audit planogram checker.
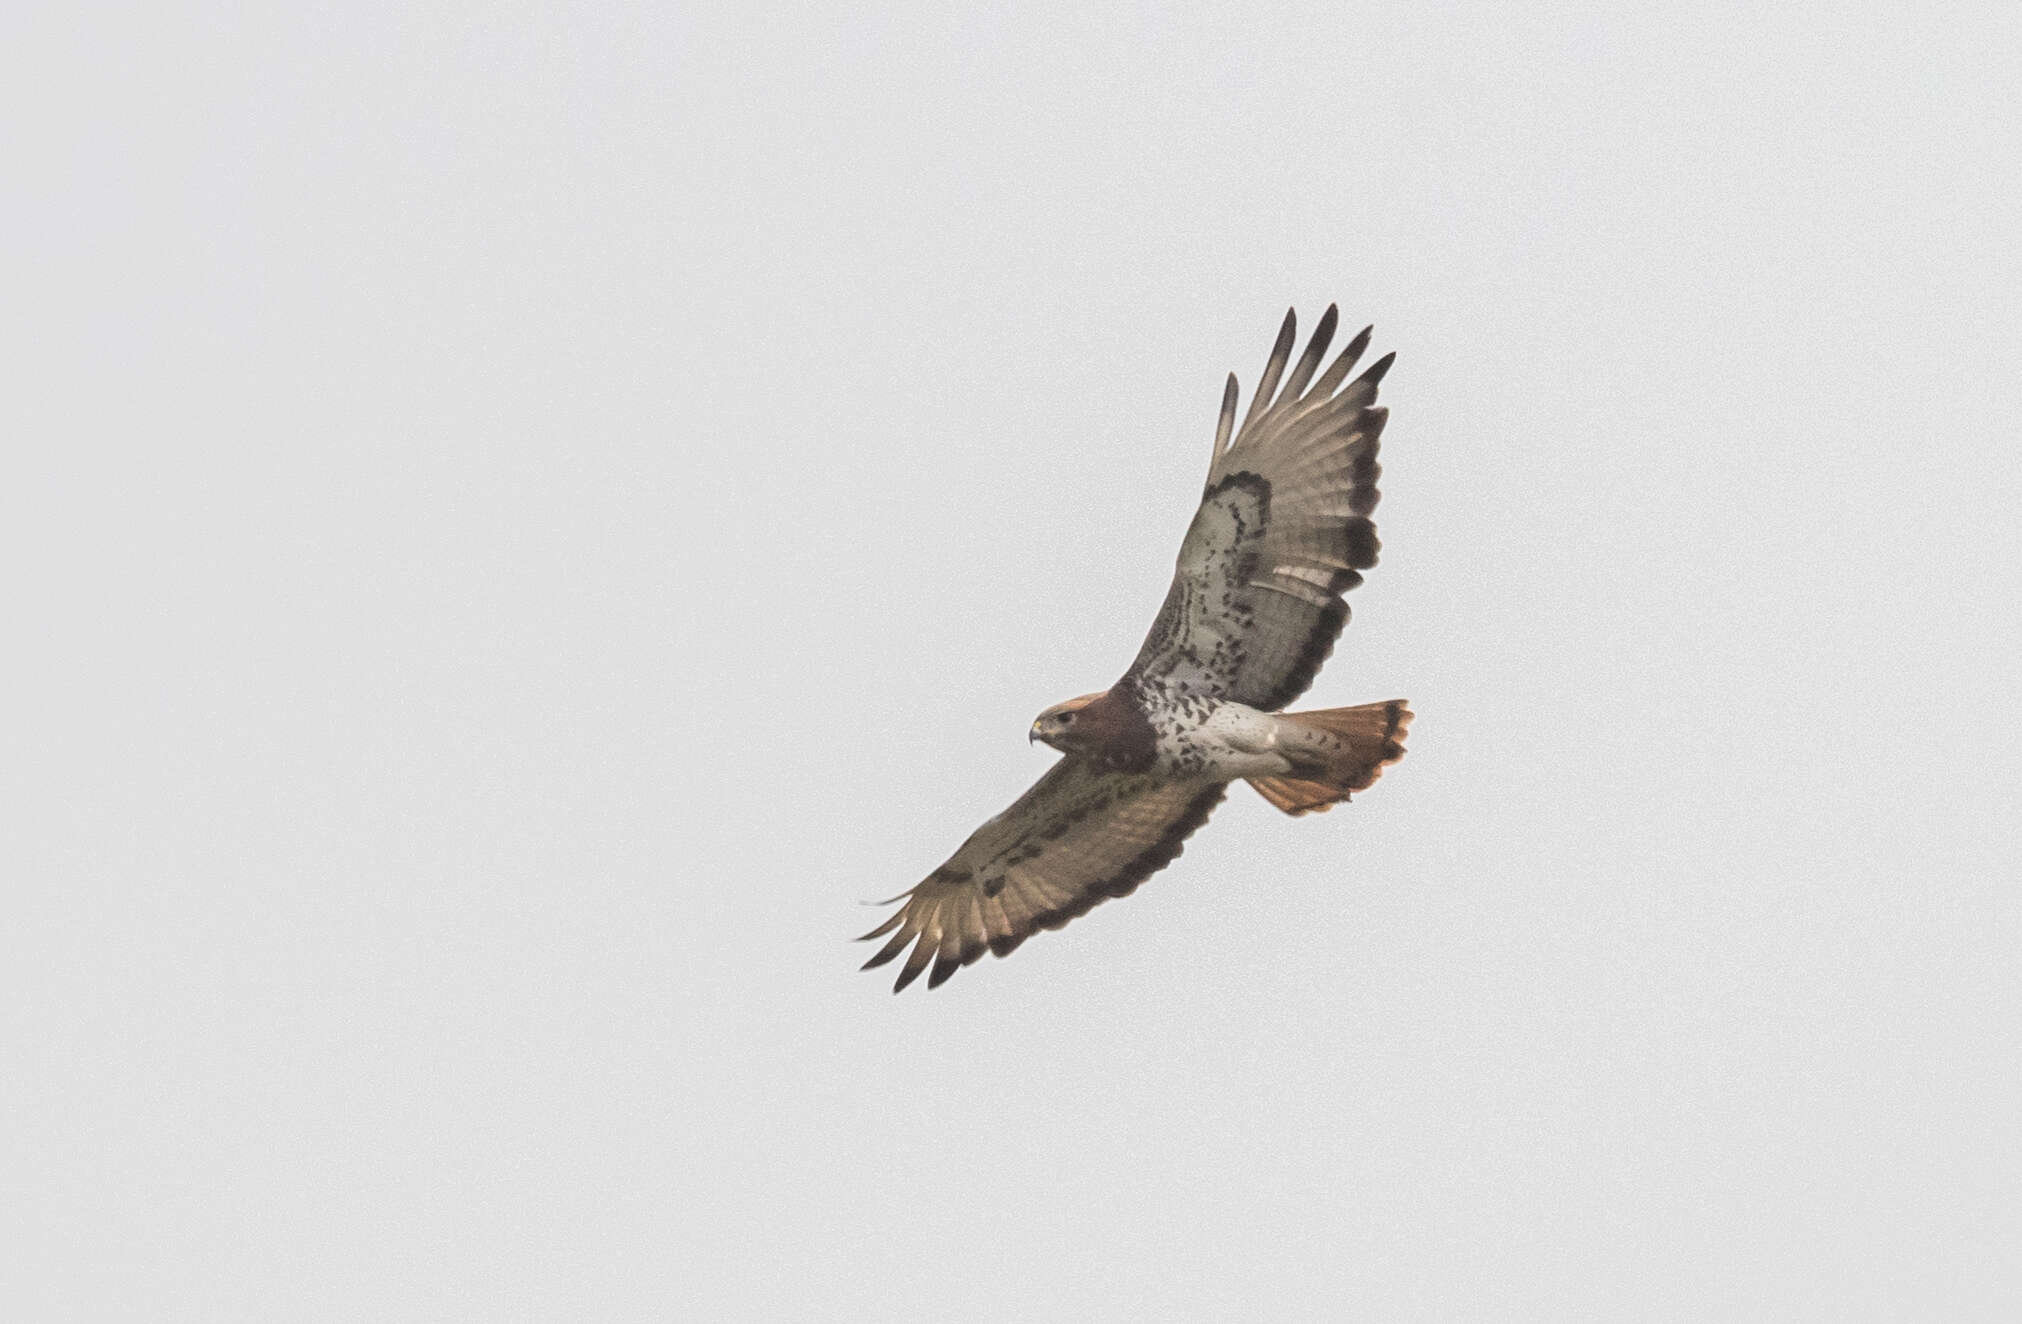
(1078, 837)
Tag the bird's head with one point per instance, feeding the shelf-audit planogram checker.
(1068, 726)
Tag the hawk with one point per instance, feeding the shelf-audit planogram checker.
(1283, 530)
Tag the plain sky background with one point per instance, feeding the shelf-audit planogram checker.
(518, 519)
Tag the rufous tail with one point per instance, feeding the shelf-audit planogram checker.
(1339, 750)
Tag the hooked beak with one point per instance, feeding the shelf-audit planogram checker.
(1032, 734)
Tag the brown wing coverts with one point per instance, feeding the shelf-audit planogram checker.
(1282, 532)
(1078, 837)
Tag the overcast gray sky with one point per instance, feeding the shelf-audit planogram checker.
(520, 518)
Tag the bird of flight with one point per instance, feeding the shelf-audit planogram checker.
(1283, 530)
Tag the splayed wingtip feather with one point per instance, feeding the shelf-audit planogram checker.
(1226, 424)
(891, 922)
(1323, 335)
(1281, 351)
(889, 950)
(1338, 371)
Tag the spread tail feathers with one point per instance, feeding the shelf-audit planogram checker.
(1338, 750)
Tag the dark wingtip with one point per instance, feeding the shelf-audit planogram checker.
(1375, 371)
(1225, 422)
(887, 952)
(882, 929)
(915, 964)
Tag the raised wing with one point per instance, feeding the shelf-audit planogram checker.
(1282, 532)
(1078, 837)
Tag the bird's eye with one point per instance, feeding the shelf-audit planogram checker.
(1066, 718)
